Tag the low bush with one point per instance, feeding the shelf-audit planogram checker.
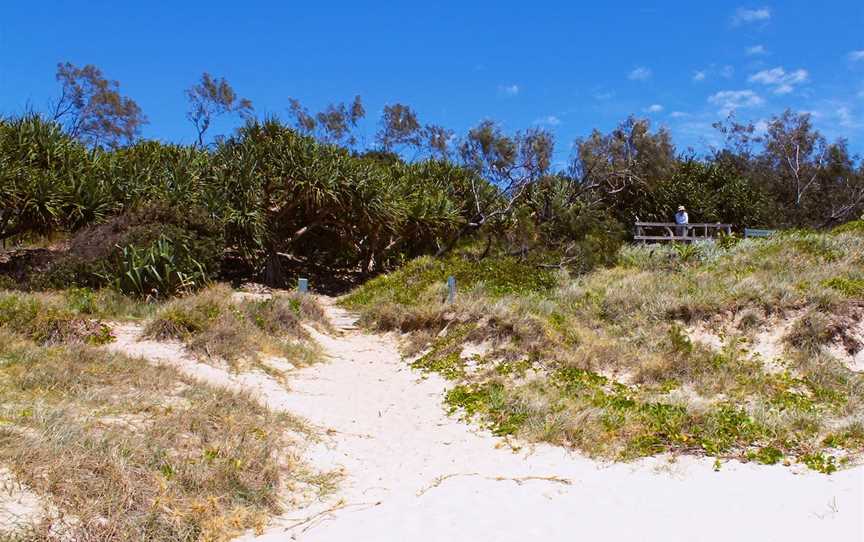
(425, 279)
(213, 324)
(47, 321)
(812, 331)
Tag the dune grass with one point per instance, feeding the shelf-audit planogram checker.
(242, 332)
(48, 319)
(125, 450)
(605, 362)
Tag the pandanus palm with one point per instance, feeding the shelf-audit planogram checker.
(42, 172)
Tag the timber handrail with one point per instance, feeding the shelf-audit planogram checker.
(669, 231)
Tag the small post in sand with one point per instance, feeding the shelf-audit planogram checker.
(451, 289)
(303, 286)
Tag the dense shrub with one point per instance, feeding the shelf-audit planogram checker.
(154, 251)
(424, 279)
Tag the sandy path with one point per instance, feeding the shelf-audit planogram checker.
(412, 473)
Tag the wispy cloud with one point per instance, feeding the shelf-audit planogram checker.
(756, 50)
(730, 100)
(856, 56)
(510, 90)
(760, 127)
(838, 117)
(847, 119)
(726, 72)
(549, 120)
(781, 81)
(603, 96)
(748, 16)
(654, 108)
(640, 74)
(679, 114)
(844, 116)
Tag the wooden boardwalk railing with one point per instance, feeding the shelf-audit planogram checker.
(669, 231)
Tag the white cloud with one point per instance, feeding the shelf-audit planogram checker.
(855, 56)
(756, 50)
(747, 16)
(510, 90)
(679, 114)
(847, 119)
(729, 100)
(713, 71)
(640, 74)
(812, 112)
(550, 120)
(654, 108)
(844, 115)
(760, 127)
(783, 82)
(603, 96)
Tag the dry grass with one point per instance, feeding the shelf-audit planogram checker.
(125, 450)
(47, 320)
(242, 332)
(604, 361)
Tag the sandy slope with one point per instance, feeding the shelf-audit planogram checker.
(412, 473)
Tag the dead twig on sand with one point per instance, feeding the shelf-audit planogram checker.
(518, 480)
(315, 519)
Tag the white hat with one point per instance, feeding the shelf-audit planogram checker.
(681, 208)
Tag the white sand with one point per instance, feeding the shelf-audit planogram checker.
(263, 388)
(413, 473)
(19, 505)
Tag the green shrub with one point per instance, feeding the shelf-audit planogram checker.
(424, 278)
(849, 287)
(166, 267)
(854, 226)
(767, 455)
(820, 462)
(46, 322)
(155, 252)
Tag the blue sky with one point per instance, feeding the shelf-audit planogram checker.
(570, 66)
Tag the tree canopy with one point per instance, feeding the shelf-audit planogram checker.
(314, 193)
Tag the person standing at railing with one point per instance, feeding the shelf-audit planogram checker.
(681, 219)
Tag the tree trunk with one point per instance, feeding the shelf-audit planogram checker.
(273, 273)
